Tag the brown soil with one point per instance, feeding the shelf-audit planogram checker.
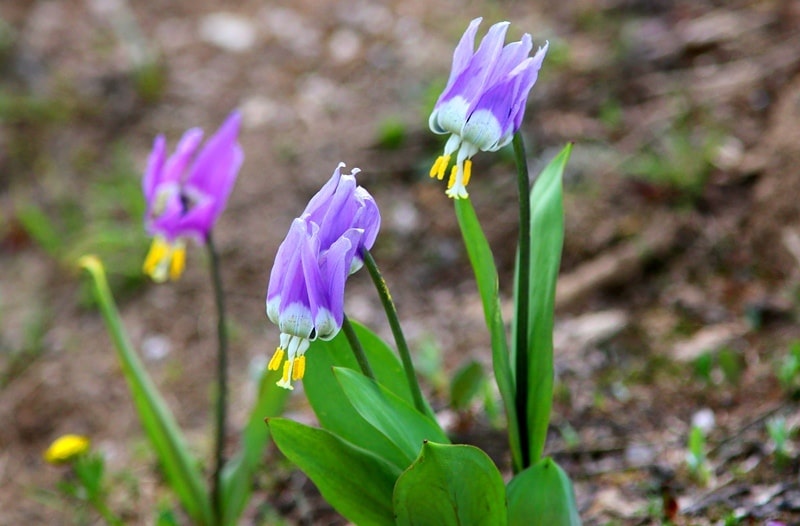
(686, 121)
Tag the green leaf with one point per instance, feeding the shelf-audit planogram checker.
(237, 475)
(482, 261)
(547, 239)
(395, 418)
(542, 495)
(354, 481)
(157, 420)
(450, 485)
(327, 399)
(467, 382)
(41, 228)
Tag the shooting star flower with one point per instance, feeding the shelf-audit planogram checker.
(186, 193)
(305, 296)
(483, 102)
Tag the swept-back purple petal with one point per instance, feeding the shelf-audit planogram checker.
(511, 57)
(175, 167)
(470, 81)
(341, 211)
(335, 267)
(368, 218)
(315, 209)
(528, 77)
(497, 100)
(464, 51)
(287, 264)
(155, 165)
(316, 289)
(198, 221)
(215, 170)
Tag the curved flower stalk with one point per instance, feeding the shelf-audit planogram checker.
(186, 193)
(484, 101)
(305, 296)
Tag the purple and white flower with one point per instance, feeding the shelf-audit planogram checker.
(305, 296)
(484, 101)
(187, 192)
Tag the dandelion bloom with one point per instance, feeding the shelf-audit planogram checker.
(186, 193)
(305, 296)
(66, 448)
(484, 101)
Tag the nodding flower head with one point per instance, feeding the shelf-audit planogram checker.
(483, 102)
(305, 296)
(186, 193)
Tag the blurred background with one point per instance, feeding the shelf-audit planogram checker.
(677, 344)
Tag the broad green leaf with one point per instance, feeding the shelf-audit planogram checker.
(354, 481)
(450, 485)
(158, 422)
(395, 418)
(237, 475)
(466, 384)
(547, 239)
(334, 412)
(542, 495)
(482, 261)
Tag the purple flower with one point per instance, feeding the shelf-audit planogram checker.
(305, 296)
(186, 193)
(484, 101)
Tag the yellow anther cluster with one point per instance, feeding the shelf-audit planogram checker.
(293, 369)
(165, 259)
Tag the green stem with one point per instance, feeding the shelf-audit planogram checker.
(523, 296)
(104, 511)
(358, 350)
(222, 382)
(397, 331)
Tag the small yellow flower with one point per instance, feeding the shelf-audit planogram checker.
(66, 448)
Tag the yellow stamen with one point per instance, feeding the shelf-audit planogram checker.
(299, 368)
(158, 251)
(277, 358)
(287, 372)
(178, 263)
(435, 167)
(452, 180)
(440, 166)
(467, 171)
(443, 167)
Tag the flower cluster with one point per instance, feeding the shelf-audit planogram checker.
(483, 102)
(305, 296)
(186, 193)
(66, 448)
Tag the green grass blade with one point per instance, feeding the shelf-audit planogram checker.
(482, 260)
(158, 422)
(547, 239)
(237, 477)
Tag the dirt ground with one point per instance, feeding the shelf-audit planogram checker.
(679, 291)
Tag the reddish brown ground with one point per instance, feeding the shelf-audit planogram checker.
(682, 192)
